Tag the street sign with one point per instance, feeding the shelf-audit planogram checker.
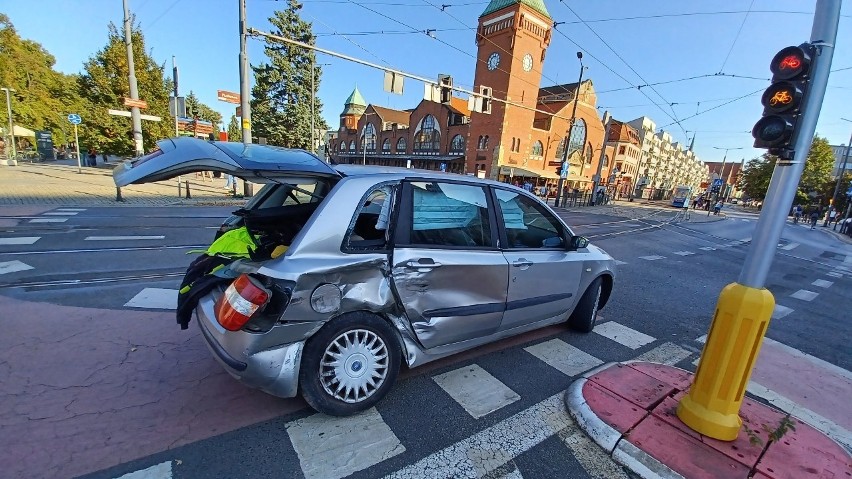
(849, 192)
(228, 96)
(239, 111)
(718, 182)
(127, 114)
(137, 103)
(74, 119)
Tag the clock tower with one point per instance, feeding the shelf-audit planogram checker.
(512, 38)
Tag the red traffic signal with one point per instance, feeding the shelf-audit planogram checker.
(790, 63)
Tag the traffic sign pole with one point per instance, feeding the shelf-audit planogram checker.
(77, 145)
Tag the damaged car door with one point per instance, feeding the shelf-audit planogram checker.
(449, 274)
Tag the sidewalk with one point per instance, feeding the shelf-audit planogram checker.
(629, 410)
(60, 183)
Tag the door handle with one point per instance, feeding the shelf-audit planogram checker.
(520, 263)
(423, 263)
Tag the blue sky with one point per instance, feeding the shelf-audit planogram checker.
(686, 38)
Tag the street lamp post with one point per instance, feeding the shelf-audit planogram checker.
(313, 101)
(721, 174)
(561, 183)
(11, 123)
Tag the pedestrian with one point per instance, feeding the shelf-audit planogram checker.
(92, 157)
(230, 182)
(815, 214)
(717, 208)
(832, 216)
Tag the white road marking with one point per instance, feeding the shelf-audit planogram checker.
(154, 298)
(565, 358)
(162, 470)
(745, 240)
(70, 209)
(707, 248)
(652, 257)
(619, 263)
(7, 267)
(334, 447)
(623, 335)
(848, 259)
(804, 295)
(818, 422)
(49, 220)
(485, 451)
(478, 392)
(666, 353)
(19, 240)
(781, 311)
(835, 274)
(684, 253)
(822, 283)
(122, 238)
(60, 213)
(790, 246)
(841, 268)
(516, 474)
(593, 459)
(701, 339)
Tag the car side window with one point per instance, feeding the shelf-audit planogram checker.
(527, 223)
(368, 230)
(449, 214)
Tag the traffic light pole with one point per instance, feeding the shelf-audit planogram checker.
(597, 178)
(745, 307)
(563, 169)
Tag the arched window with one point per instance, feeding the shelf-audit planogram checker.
(605, 162)
(401, 146)
(386, 146)
(427, 137)
(537, 148)
(560, 150)
(589, 153)
(577, 138)
(485, 142)
(480, 144)
(352, 145)
(342, 146)
(457, 144)
(368, 137)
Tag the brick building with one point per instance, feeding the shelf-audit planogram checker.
(521, 141)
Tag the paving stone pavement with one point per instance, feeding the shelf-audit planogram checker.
(60, 183)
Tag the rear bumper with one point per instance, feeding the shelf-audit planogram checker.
(274, 370)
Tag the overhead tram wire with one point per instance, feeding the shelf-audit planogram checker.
(617, 55)
(163, 14)
(736, 37)
(382, 60)
(719, 106)
(393, 32)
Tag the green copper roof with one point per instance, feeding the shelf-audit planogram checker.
(537, 5)
(355, 98)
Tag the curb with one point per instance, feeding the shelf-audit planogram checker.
(604, 435)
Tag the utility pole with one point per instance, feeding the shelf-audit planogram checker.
(175, 78)
(245, 106)
(134, 89)
(745, 307)
(597, 178)
(11, 122)
(721, 175)
(560, 184)
(840, 175)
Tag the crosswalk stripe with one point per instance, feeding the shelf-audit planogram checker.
(848, 259)
(684, 253)
(48, 220)
(619, 263)
(652, 257)
(623, 335)
(804, 295)
(60, 213)
(154, 298)
(123, 238)
(835, 274)
(593, 459)
(666, 353)
(162, 470)
(7, 267)
(822, 283)
(70, 209)
(841, 268)
(563, 357)
(790, 246)
(477, 391)
(781, 311)
(19, 240)
(334, 447)
(707, 248)
(485, 451)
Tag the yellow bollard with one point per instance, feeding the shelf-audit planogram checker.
(713, 404)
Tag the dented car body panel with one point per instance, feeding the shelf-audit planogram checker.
(450, 262)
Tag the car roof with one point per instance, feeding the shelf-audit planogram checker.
(395, 172)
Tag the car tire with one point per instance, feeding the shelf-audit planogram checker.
(585, 315)
(349, 364)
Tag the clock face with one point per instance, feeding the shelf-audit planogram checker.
(493, 61)
(528, 62)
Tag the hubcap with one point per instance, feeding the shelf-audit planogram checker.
(354, 365)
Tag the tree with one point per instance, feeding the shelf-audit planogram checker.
(281, 97)
(235, 131)
(43, 97)
(196, 109)
(756, 175)
(104, 84)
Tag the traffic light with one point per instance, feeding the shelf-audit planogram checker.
(445, 83)
(783, 99)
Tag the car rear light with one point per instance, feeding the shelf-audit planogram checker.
(242, 299)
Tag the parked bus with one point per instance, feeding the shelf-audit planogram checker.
(681, 197)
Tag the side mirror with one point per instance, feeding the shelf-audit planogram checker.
(578, 242)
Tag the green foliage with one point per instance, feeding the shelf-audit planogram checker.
(196, 109)
(104, 85)
(281, 97)
(756, 175)
(773, 435)
(235, 131)
(43, 96)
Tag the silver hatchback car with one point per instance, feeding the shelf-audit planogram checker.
(350, 271)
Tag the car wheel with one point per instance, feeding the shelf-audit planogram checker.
(586, 313)
(349, 365)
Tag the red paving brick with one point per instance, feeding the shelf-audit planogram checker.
(612, 408)
(805, 453)
(636, 387)
(678, 378)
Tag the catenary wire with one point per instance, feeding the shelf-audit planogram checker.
(736, 37)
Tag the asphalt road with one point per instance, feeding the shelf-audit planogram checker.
(669, 280)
